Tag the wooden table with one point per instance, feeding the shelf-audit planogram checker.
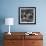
(20, 39)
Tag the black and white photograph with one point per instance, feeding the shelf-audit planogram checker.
(27, 15)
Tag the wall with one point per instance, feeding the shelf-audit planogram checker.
(9, 8)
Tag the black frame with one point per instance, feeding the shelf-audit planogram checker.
(22, 10)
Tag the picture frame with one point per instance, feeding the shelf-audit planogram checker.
(27, 15)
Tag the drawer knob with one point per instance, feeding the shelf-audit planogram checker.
(33, 42)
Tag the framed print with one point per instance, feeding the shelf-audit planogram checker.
(27, 15)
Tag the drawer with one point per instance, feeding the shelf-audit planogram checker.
(16, 37)
(33, 37)
(33, 43)
(37, 43)
(13, 43)
(9, 43)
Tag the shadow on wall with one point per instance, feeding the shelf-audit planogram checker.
(2, 21)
